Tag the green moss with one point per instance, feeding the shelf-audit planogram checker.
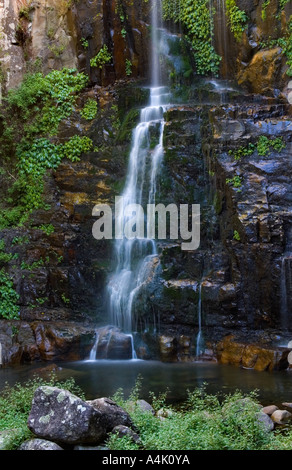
(197, 20)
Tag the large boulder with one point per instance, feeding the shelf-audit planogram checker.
(58, 415)
(112, 414)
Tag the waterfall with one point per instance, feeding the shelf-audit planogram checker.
(133, 256)
(286, 283)
(199, 335)
(93, 351)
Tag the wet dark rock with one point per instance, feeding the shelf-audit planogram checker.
(112, 414)
(112, 343)
(122, 431)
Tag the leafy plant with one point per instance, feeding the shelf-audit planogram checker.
(264, 145)
(242, 151)
(197, 20)
(236, 181)
(203, 422)
(236, 235)
(8, 297)
(128, 67)
(84, 43)
(237, 19)
(90, 110)
(47, 228)
(264, 9)
(102, 58)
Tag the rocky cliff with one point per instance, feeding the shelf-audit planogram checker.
(226, 148)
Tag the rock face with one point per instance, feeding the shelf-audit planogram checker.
(69, 34)
(236, 286)
(257, 63)
(58, 415)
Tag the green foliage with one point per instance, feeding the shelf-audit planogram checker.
(285, 43)
(15, 404)
(264, 145)
(8, 297)
(102, 58)
(5, 257)
(283, 3)
(236, 235)
(47, 228)
(204, 422)
(84, 43)
(65, 299)
(237, 19)
(128, 67)
(55, 94)
(20, 240)
(90, 110)
(31, 267)
(197, 19)
(242, 151)
(236, 181)
(264, 9)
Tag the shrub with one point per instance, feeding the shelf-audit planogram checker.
(204, 422)
(90, 110)
(197, 20)
(237, 19)
(102, 57)
(8, 297)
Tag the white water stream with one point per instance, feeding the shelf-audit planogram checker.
(135, 255)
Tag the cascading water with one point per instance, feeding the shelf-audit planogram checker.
(133, 255)
(286, 284)
(199, 335)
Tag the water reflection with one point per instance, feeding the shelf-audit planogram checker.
(104, 378)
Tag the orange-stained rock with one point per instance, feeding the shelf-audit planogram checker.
(263, 72)
(250, 356)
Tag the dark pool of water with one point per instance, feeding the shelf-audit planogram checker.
(104, 378)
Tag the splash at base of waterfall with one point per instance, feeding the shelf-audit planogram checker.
(112, 343)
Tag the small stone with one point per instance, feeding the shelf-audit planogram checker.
(145, 406)
(122, 431)
(281, 416)
(289, 405)
(39, 444)
(269, 410)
